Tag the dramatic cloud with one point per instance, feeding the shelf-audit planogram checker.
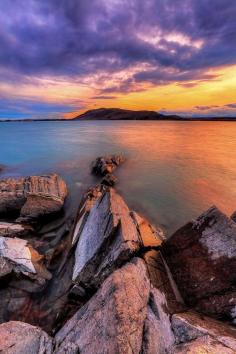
(116, 46)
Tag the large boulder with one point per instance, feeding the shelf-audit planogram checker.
(32, 197)
(202, 257)
(106, 164)
(108, 235)
(127, 315)
(22, 338)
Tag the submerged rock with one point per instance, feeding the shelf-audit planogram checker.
(32, 197)
(109, 180)
(106, 164)
(202, 257)
(22, 338)
(107, 237)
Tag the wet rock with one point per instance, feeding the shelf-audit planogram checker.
(22, 338)
(108, 237)
(109, 180)
(201, 256)
(112, 321)
(32, 197)
(106, 164)
(14, 229)
(2, 168)
(16, 255)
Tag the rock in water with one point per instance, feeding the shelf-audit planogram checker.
(233, 216)
(106, 164)
(32, 197)
(202, 259)
(22, 338)
(108, 237)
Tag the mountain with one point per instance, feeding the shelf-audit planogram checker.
(123, 114)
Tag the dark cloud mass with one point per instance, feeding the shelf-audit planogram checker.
(76, 38)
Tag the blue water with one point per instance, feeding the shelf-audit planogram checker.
(174, 170)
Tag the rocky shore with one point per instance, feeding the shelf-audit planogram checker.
(109, 281)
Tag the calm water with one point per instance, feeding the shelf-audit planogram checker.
(174, 170)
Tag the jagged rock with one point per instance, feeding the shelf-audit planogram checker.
(22, 338)
(106, 164)
(109, 180)
(16, 255)
(112, 321)
(32, 197)
(14, 229)
(201, 333)
(108, 236)
(201, 257)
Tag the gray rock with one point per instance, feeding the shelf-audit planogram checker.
(22, 338)
(107, 237)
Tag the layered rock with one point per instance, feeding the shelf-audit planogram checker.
(202, 257)
(32, 197)
(108, 236)
(22, 338)
(106, 164)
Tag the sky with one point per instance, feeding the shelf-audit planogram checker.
(59, 58)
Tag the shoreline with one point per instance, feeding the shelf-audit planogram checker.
(108, 270)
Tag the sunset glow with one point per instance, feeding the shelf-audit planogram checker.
(59, 59)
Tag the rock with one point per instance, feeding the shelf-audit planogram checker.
(112, 321)
(157, 334)
(22, 338)
(201, 257)
(108, 236)
(32, 197)
(16, 255)
(188, 326)
(109, 180)
(106, 164)
(2, 168)
(162, 280)
(202, 345)
(14, 229)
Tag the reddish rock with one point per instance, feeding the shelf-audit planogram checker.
(32, 197)
(14, 229)
(201, 256)
(109, 180)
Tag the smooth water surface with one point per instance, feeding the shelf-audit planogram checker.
(174, 170)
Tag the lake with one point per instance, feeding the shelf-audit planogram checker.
(174, 170)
